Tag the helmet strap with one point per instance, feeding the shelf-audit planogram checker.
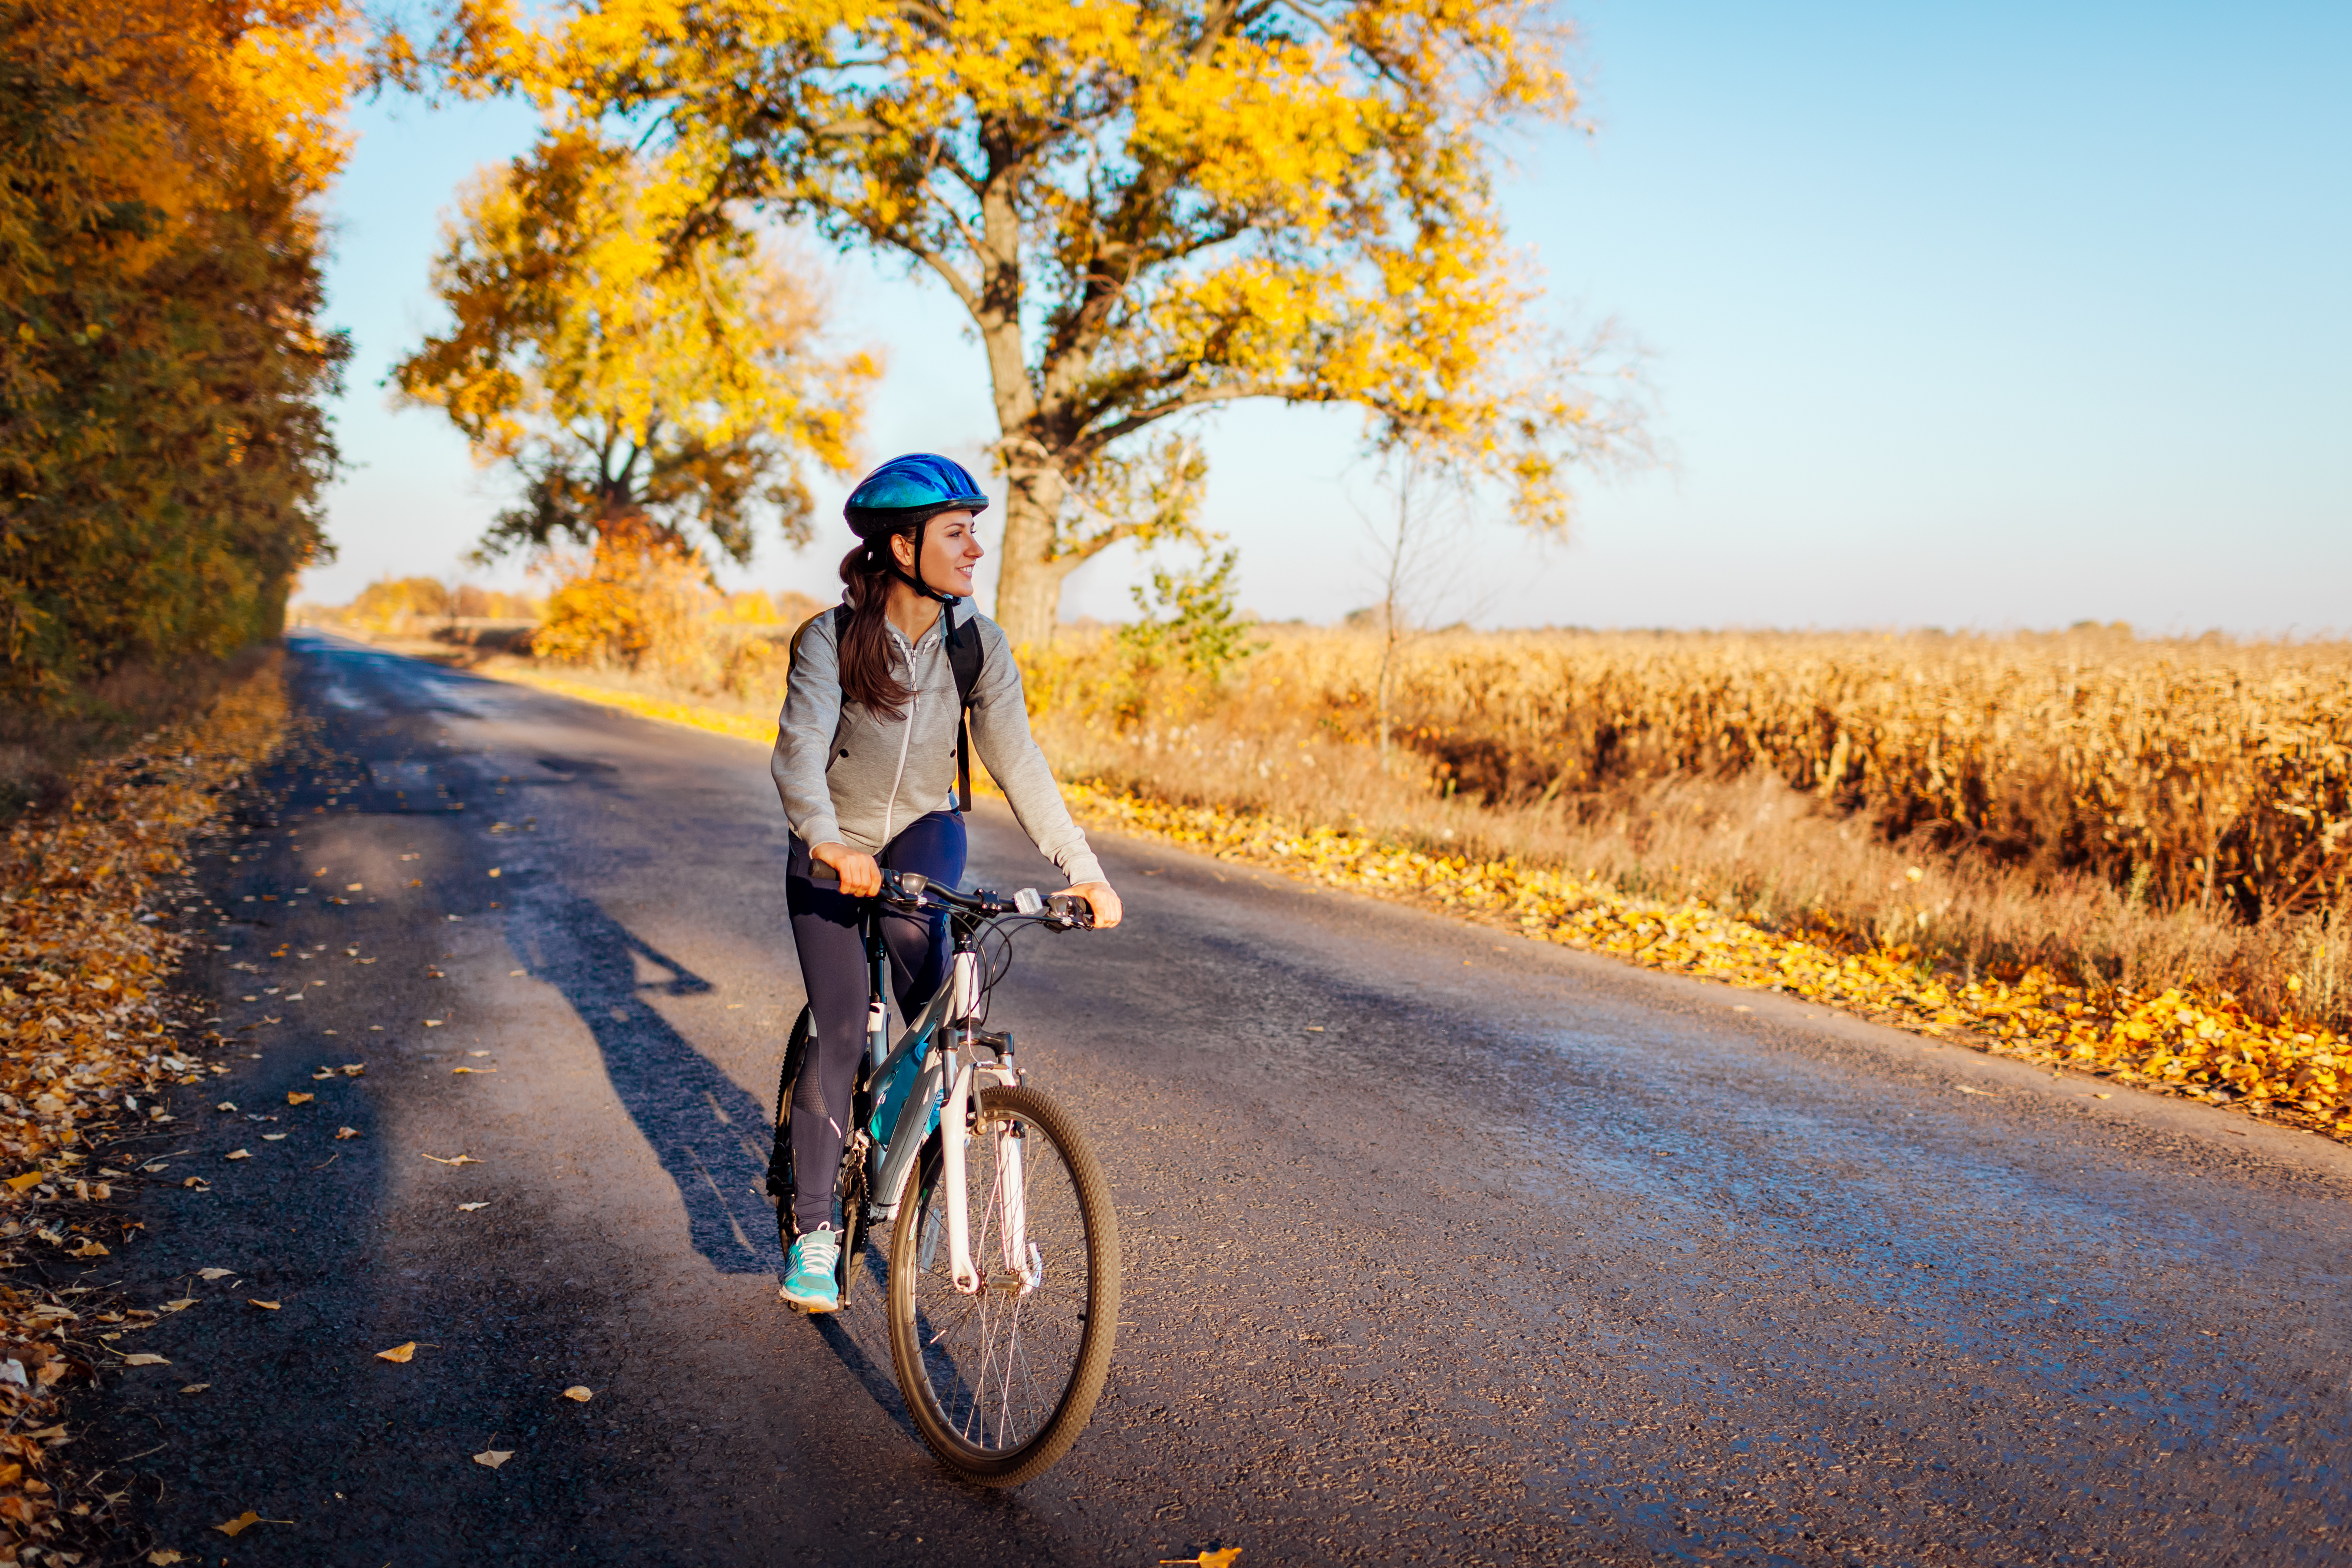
(915, 579)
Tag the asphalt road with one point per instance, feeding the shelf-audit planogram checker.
(1442, 1246)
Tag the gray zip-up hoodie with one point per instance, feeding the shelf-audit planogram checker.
(846, 775)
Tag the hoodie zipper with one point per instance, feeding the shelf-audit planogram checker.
(906, 735)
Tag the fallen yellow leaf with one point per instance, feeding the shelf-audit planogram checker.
(145, 1358)
(265, 1306)
(165, 1556)
(344, 1132)
(473, 1070)
(401, 1354)
(241, 1154)
(182, 1305)
(581, 1392)
(1222, 1558)
(460, 1160)
(494, 1458)
(432, 1023)
(245, 1520)
(195, 1388)
(470, 1208)
(29, 1179)
(293, 1098)
(215, 1273)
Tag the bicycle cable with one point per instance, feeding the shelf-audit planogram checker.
(993, 944)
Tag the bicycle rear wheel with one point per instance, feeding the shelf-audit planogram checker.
(1001, 1380)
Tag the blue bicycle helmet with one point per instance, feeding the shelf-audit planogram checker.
(914, 490)
(911, 489)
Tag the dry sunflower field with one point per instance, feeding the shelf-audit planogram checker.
(2120, 812)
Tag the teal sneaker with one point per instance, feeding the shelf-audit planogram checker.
(809, 1282)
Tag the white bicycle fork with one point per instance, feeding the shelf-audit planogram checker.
(1020, 1259)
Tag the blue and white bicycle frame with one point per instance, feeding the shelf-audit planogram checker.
(947, 1046)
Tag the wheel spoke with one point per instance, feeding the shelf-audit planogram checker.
(1010, 1370)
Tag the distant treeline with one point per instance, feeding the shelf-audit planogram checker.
(404, 603)
(161, 366)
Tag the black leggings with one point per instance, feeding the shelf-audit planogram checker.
(825, 929)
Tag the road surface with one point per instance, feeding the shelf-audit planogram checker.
(1442, 1246)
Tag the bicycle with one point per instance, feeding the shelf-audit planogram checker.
(1003, 1264)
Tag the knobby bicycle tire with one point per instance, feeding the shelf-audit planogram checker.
(1076, 1321)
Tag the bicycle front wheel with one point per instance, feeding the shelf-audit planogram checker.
(1002, 1379)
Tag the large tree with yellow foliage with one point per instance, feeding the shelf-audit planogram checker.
(1147, 207)
(633, 377)
(162, 446)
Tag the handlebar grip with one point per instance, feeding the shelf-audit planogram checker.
(900, 885)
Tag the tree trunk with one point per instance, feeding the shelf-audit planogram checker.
(1381, 697)
(1029, 575)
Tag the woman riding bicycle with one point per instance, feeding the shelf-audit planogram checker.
(867, 761)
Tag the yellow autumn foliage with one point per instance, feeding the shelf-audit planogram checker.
(162, 447)
(643, 603)
(624, 379)
(1144, 210)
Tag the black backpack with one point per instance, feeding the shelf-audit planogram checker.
(964, 657)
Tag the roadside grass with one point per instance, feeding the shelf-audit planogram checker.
(42, 745)
(93, 1035)
(2196, 1041)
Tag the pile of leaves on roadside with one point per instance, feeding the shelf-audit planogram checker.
(88, 1039)
(2207, 1047)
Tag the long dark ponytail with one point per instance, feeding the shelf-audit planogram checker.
(868, 676)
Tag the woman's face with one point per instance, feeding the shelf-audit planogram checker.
(951, 549)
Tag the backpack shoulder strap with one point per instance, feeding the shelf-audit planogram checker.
(964, 656)
(840, 614)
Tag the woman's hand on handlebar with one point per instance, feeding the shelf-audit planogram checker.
(1099, 899)
(861, 878)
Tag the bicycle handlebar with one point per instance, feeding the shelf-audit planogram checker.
(913, 890)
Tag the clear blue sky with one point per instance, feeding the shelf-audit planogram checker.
(2008, 315)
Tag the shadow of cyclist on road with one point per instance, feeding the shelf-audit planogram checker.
(710, 1135)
